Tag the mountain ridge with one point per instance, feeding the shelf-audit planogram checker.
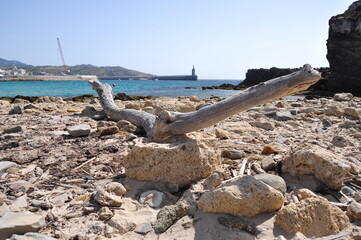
(80, 69)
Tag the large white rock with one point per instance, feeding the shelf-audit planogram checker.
(329, 168)
(179, 163)
(19, 223)
(246, 197)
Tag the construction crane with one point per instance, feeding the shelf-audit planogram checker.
(65, 68)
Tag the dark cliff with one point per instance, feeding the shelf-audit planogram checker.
(344, 50)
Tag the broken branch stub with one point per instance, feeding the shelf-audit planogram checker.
(168, 124)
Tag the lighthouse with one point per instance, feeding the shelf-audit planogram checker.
(193, 71)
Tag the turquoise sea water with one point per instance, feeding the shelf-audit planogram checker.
(130, 87)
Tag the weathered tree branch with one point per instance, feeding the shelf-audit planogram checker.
(168, 124)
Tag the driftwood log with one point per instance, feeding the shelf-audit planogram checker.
(168, 124)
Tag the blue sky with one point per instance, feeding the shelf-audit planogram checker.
(221, 38)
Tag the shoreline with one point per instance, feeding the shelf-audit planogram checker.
(43, 78)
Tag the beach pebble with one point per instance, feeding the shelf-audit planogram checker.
(262, 124)
(232, 154)
(4, 165)
(125, 125)
(352, 112)
(143, 228)
(79, 130)
(17, 109)
(268, 149)
(108, 130)
(104, 213)
(274, 181)
(152, 198)
(342, 97)
(354, 210)
(15, 129)
(268, 163)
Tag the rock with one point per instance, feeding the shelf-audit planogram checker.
(79, 130)
(342, 97)
(195, 99)
(14, 129)
(329, 168)
(222, 134)
(273, 180)
(268, 163)
(356, 234)
(17, 109)
(19, 223)
(108, 130)
(104, 213)
(213, 181)
(241, 223)
(264, 125)
(348, 124)
(232, 154)
(4, 165)
(333, 110)
(124, 125)
(20, 186)
(122, 223)
(352, 112)
(178, 164)
(30, 106)
(31, 236)
(41, 204)
(267, 149)
(94, 101)
(143, 228)
(339, 141)
(246, 197)
(313, 217)
(110, 195)
(21, 202)
(175, 106)
(343, 51)
(60, 199)
(283, 116)
(170, 214)
(152, 198)
(354, 210)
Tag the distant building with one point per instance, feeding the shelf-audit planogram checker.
(192, 77)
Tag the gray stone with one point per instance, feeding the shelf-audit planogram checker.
(268, 163)
(339, 141)
(79, 130)
(342, 97)
(152, 198)
(104, 213)
(17, 109)
(143, 228)
(273, 180)
(110, 195)
(296, 104)
(19, 223)
(232, 154)
(169, 215)
(283, 116)
(263, 125)
(31, 236)
(15, 129)
(31, 106)
(348, 124)
(60, 199)
(5, 165)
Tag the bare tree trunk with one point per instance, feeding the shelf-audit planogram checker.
(168, 124)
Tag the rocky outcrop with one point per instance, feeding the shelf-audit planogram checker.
(344, 50)
(178, 164)
(327, 167)
(246, 197)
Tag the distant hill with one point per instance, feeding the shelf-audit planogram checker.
(11, 63)
(84, 69)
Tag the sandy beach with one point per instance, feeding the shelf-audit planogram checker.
(86, 182)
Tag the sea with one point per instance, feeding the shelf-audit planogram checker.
(160, 88)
